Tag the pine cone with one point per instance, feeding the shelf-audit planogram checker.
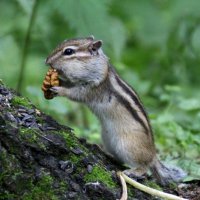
(50, 80)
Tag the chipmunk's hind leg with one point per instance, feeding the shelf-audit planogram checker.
(136, 173)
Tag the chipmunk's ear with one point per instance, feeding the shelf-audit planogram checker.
(91, 37)
(96, 45)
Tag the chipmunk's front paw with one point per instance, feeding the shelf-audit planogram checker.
(58, 91)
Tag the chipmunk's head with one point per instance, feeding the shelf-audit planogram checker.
(80, 61)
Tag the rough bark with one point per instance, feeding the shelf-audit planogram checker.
(41, 159)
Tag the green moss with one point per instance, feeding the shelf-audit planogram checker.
(42, 190)
(100, 174)
(11, 173)
(130, 191)
(39, 119)
(152, 184)
(75, 158)
(16, 100)
(7, 195)
(30, 135)
(63, 187)
(71, 140)
(10, 167)
(173, 186)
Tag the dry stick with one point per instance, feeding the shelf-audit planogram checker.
(38, 134)
(124, 187)
(149, 190)
(26, 45)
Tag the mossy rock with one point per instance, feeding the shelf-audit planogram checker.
(41, 159)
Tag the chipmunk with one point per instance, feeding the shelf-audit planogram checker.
(87, 76)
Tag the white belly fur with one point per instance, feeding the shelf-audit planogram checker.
(122, 135)
(119, 138)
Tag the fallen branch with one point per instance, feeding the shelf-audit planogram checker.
(148, 190)
(124, 187)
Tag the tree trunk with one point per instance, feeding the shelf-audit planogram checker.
(41, 159)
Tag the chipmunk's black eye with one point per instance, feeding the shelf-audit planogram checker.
(68, 51)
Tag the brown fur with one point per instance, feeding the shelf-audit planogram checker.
(88, 77)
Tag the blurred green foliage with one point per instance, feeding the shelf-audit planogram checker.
(154, 45)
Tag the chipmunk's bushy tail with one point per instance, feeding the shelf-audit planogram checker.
(166, 174)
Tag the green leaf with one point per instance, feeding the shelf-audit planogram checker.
(117, 37)
(191, 178)
(26, 5)
(9, 67)
(189, 104)
(193, 170)
(91, 17)
(172, 88)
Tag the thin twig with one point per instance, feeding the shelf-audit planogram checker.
(149, 190)
(26, 44)
(124, 187)
(42, 136)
